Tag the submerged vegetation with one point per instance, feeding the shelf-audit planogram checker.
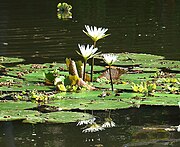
(61, 93)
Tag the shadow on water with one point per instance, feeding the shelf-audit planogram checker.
(127, 132)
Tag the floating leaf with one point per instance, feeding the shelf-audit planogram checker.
(10, 60)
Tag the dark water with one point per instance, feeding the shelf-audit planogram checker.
(31, 30)
(128, 131)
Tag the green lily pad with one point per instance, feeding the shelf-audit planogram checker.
(31, 77)
(10, 115)
(26, 87)
(65, 117)
(20, 105)
(135, 59)
(162, 99)
(168, 64)
(85, 104)
(10, 60)
(27, 82)
(95, 95)
(137, 78)
(11, 110)
(145, 69)
(138, 56)
(104, 85)
(175, 69)
(29, 116)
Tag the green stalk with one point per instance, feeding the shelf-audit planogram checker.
(84, 72)
(94, 44)
(92, 64)
(111, 78)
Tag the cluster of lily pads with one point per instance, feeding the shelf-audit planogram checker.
(61, 93)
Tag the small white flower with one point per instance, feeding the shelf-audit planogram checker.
(87, 52)
(86, 122)
(93, 128)
(108, 123)
(110, 58)
(95, 33)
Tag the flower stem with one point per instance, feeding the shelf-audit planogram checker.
(94, 44)
(84, 72)
(111, 78)
(92, 64)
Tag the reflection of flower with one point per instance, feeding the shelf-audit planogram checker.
(95, 33)
(64, 7)
(64, 15)
(87, 52)
(108, 123)
(64, 11)
(93, 128)
(86, 122)
(109, 58)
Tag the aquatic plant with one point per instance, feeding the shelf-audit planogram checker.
(146, 88)
(110, 59)
(59, 90)
(95, 34)
(86, 52)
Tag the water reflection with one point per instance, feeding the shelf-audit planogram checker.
(127, 132)
(8, 134)
(64, 11)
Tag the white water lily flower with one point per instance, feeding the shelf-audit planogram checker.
(108, 123)
(93, 128)
(95, 33)
(86, 122)
(110, 58)
(87, 52)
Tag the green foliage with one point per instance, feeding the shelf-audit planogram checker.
(146, 88)
(4, 60)
(153, 82)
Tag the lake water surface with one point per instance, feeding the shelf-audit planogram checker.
(31, 30)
